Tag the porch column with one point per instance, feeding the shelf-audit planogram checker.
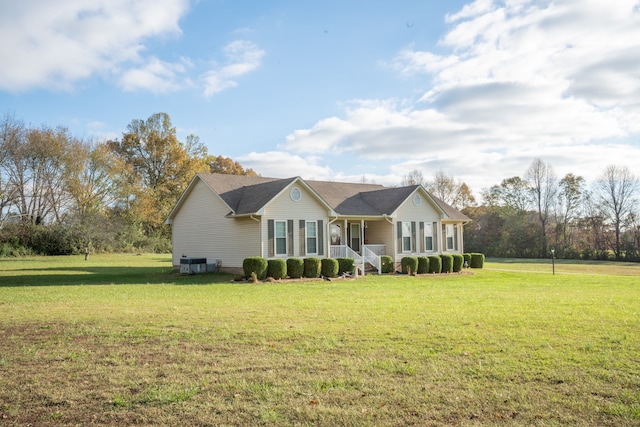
(362, 236)
(345, 232)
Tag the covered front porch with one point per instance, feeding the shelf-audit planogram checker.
(364, 240)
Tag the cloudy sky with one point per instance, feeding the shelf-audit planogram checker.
(337, 90)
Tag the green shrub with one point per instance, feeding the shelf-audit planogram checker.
(295, 268)
(458, 260)
(435, 264)
(477, 260)
(277, 268)
(345, 265)
(467, 259)
(329, 267)
(409, 264)
(387, 264)
(312, 267)
(257, 265)
(447, 263)
(423, 265)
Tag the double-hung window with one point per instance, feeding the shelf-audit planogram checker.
(450, 241)
(281, 237)
(312, 237)
(406, 236)
(428, 237)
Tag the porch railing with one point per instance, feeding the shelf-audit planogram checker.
(370, 254)
(379, 250)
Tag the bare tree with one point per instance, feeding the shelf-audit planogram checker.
(414, 177)
(570, 201)
(543, 185)
(616, 191)
(446, 188)
(11, 133)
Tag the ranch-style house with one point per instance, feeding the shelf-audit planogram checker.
(227, 218)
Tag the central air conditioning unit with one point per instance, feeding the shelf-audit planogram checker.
(193, 265)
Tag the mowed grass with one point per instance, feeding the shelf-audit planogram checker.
(125, 340)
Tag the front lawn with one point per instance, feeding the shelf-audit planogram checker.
(126, 340)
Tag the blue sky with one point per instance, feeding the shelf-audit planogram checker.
(341, 91)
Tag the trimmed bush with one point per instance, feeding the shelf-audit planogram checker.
(409, 264)
(387, 264)
(435, 264)
(295, 268)
(329, 267)
(345, 265)
(257, 265)
(277, 268)
(447, 263)
(467, 260)
(458, 260)
(423, 265)
(477, 260)
(312, 267)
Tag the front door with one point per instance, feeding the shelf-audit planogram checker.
(355, 236)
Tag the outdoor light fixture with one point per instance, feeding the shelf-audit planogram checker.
(553, 261)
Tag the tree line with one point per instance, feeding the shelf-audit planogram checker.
(529, 216)
(60, 194)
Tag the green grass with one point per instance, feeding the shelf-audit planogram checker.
(126, 340)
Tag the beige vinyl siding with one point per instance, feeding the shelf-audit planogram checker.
(380, 233)
(284, 208)
(202, 230)
(408, 211)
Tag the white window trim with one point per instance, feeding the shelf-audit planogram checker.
(306, 237)
(275, 238)
(295, 194)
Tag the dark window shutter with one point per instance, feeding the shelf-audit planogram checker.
(271, 241)
(455, 237)
(421, 237)
(399, 237)
(320, 238)
(436, 243)
(413, 237)
(290, 236)
(303, 241)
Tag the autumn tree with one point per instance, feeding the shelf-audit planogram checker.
(226, 165)
(158, 167)
(512, 193)
(94, 179)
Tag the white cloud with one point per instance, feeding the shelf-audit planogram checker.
(242, 57)
(53, 44)
(156, 76)
(280, 164)
(513, 80)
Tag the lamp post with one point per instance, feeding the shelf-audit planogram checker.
(553, 261)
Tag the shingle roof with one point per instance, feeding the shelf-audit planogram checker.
(249, 194)
(245, 194)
